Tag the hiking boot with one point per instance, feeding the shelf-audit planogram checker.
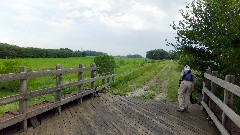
(181, 110)
(186, 110)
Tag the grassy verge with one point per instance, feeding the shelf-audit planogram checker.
(136, 72)
(166, 82)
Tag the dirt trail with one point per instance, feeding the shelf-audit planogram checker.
(160, 92)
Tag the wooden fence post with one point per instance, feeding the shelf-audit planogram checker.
(108, 79)
(80, 77)
(212, 105)
(228, 100)
(93, 82)
(23, 102)
(58, 92)
(103, 82)
(113, 79)
(208, 86)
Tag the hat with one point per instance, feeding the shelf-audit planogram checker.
(186, 67)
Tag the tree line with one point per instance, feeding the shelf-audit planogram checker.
(13, 51)
(208, 37)
(160, 54)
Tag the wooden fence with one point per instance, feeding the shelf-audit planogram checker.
(23, 96)
(227, 118)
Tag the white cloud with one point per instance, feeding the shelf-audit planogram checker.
(117, 27)
(137, 17)
(59, 24)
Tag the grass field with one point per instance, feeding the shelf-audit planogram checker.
(130, 72)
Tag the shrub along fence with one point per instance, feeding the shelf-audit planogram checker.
(25, 113)
(226, 120)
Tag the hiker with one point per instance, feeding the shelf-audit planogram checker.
(186, 86)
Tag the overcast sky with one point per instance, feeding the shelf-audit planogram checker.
(116, 27)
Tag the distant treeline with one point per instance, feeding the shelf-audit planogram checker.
(13, 51)
(134, 56)
(160, 54)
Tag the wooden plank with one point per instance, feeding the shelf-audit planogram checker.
(228, 111)
(10, 99)
(42, 109)
(34, 121)
(207, 84)
(58, 89)
(44, 128)
(116, 115)
(80, 86)
(23, 101)
(215, 120)
(228, 100)
(194, 121)
(54, 89)
(226, 85)
(101, 87)
(65, 122)
(73, 121)
(12, 121)
(37, 130)
(19, 118)
(69, 99)
(92, 77)
(40, 92)
(68, 122)
(57, 72)
(212, 105)
(56, 127)
(86, 119)
(101, 117)
(35, 74)
(61, 123)
(12, 77)
(165, 125)
(50, 126)
(83, 128)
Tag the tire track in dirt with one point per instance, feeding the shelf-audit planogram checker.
(161, 89)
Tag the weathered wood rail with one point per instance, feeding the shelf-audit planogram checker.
(211, 102)
(23, 96)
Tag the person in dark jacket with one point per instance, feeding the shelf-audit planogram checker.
(186, 86)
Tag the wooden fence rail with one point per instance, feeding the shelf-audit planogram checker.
(23, 96)
(211, 101)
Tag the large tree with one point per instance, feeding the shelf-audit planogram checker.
(209, 35)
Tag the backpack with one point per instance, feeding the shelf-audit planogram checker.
(193, 97)
(179, 81)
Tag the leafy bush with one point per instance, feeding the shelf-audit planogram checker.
(11, 66)
(105, 64)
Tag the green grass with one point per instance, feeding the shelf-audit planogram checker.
(129, 72)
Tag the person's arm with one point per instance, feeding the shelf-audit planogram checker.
(193, 84)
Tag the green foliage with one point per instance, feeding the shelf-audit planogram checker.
(157, 54)
(105, 64)
(149, 95)
(208, 36)
(11, 66)
(160, 54)
(12, 51)
(137, 71)
(134, 56)
(210, 33)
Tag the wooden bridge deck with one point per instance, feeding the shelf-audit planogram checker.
(118, 115)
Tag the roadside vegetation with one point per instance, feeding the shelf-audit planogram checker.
(129, 72)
